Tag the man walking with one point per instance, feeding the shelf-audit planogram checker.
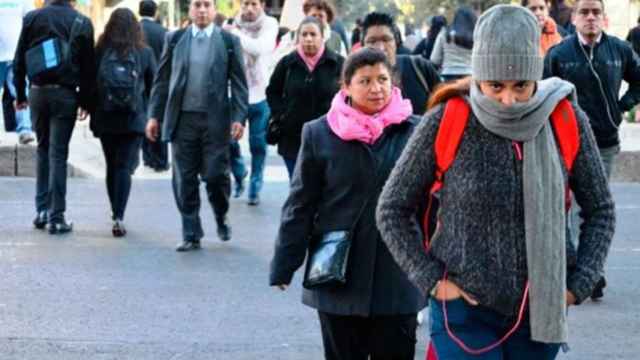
(154, 154)
(60, 85)
(596, 63)
(11, 14)
(198, 69)
(257, 32)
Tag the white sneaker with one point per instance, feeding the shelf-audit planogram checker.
(26, 138)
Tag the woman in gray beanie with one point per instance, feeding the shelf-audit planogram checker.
(498, 267)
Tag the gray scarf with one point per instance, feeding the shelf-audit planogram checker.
(544, 196)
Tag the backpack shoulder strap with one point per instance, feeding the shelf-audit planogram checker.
(419, 74)
(566, 130)
(452, 126)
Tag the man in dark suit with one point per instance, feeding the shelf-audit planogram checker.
(154, 154)
(200, 97)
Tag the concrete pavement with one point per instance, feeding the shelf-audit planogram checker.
(89, 296)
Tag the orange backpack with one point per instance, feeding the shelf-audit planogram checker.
(449, 136)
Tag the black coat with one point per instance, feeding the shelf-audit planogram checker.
(332, 181)
(154, 35)
(410, 84)
(116, 123)
(296, 96)
(613, 61)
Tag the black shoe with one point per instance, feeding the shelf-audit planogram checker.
(188, 245)
(597, 292)
(254, 200)
(118, 229)
(224, 230)
(40, 222)
(239, 190)
(61, 227)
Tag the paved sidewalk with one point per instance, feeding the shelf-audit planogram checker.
(88, 296)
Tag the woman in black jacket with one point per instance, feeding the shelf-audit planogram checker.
(125, 74)
(302, 86)
(345, 159)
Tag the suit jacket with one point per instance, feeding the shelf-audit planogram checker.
(170, 84)
(154, 35)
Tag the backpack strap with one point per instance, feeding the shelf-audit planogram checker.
(450, 132)
(565, 127)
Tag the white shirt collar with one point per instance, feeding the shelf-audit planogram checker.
(207, 31)
(583, 41)
(148, 18)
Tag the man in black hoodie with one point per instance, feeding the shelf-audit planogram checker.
(597, 63)
(55, 96)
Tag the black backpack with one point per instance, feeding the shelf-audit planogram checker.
(118, 82)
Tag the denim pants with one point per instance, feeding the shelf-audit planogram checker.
(238, 168)
(54, 111)
(258, 119)
(23, 117)
(121, 154)
(290, 163)
(479, 327)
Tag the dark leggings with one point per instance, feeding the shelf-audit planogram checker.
(121, 153)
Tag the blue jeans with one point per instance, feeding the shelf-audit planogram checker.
(258, 119)
(479, 327)
(238, 168)
(290, 163)
(23, 117)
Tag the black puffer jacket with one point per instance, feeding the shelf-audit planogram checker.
(613, 60)
(297, 96)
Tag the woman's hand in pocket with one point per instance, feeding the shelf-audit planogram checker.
(447, 291)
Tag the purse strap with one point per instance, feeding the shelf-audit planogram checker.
(419, 74)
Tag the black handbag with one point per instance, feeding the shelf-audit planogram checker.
(274, 127)
(328, 258)
(274, 131)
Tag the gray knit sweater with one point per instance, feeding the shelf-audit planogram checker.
(481, 238)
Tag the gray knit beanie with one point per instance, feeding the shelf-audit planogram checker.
(506, 45)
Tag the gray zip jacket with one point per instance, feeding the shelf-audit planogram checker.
(481, 238)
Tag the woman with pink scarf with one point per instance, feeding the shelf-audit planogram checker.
(345, 159)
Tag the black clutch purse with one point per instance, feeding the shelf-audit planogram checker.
(327, 260)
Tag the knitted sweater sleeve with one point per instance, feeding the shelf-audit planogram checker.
(403, 195)
(590, 186)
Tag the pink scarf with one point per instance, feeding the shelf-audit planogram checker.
(351, 124)
(311, 61)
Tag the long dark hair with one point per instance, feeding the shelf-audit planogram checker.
(461, 29)
(121, 34)
(437, 23)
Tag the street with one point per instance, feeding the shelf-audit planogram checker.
(87, 295)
